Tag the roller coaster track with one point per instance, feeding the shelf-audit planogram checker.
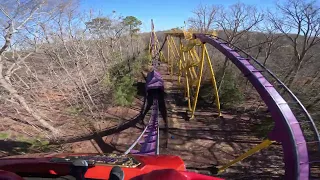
(149, 138)
(294, 127)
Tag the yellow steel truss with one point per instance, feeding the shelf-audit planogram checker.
(183, 59)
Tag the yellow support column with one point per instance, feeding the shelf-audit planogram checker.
(196, 57)
(187, 83)
(188, 93)
(149, 52)
(174, 45)
(188, 65)
(264, 144)
(163, 56)
(199, 82)
(180, 62)
(194, 62)
(168, 49)
(214, 83)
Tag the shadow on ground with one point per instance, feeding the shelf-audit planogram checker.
(13, 147)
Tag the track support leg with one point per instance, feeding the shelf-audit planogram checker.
(264, 144)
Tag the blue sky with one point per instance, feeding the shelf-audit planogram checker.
(166, 14)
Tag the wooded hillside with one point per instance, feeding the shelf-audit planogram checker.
(61, 68)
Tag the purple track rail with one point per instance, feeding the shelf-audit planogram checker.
(149, 138)
(287, 128)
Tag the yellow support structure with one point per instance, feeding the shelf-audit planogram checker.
(180, 62)
(168, 53)
(266, 143)
(190, 67)
(149, 50)
(199, 83)
(192, 64)
(187, 84)
(214, 83)
(174, 45)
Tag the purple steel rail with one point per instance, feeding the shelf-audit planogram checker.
(150, 142)
(149, 138)
(287, 129)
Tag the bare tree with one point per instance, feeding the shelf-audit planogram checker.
(55, 59)
(18, 17)
(299, 21)
(263, 43)
(236, 22)
(270, 44)
(204, 18)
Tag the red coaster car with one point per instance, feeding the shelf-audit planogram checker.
(95, 166)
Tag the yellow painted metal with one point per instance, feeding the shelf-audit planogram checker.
(187, 83)
(199, 83)
(196, 57)
(188, 65)
(175, 33)
(180, 62)
(149, 50)
(195, 62)
(174, 45)
(191, 63)
(173, 56)
(187, 35)
(168, 55)
(189, 46)
(176, 51)
(214, 33)
(183, 58)
(213, 78)
(266, 143)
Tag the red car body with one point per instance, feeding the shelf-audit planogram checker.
(146, 167)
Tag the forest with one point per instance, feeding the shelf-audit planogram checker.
(62, 68)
